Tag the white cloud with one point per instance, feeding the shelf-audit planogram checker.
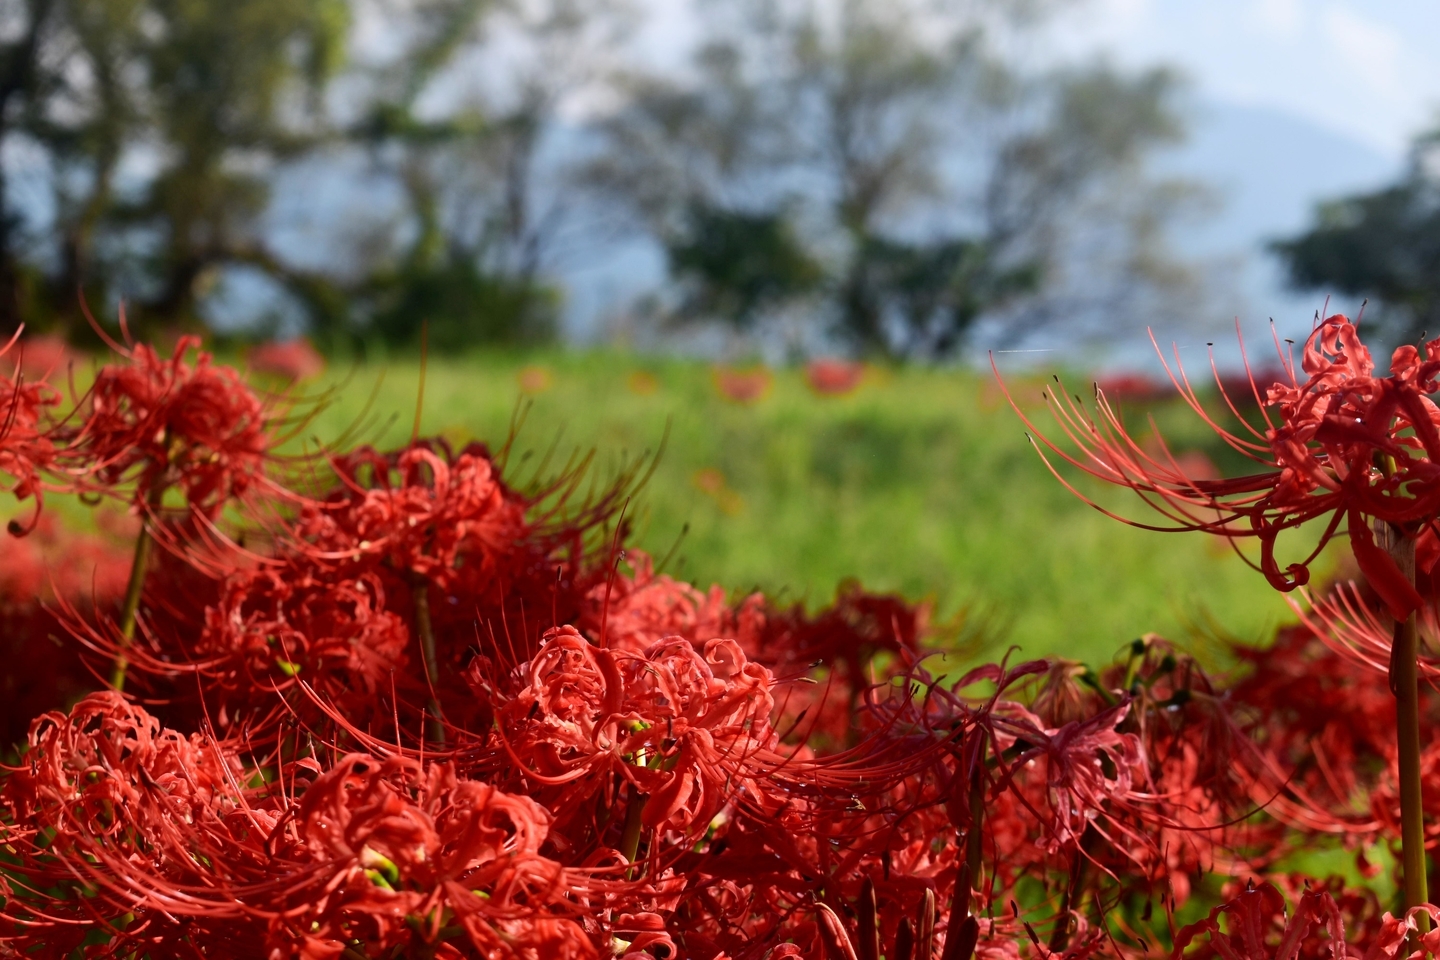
(1279, 18)
(1356, 67)
(1374, 50)
(1125, 12)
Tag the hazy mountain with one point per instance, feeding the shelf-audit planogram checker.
(1268, 168)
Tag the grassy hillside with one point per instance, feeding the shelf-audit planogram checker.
(922, 481)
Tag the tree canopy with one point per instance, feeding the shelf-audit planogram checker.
(879, 173)
(1383, 245)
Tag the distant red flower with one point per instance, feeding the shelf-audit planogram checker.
(48, 579)
(43, 356)
(831, 377)
(27, 450)
(293, 359)
(642, 382)
(743, 386)
(1132, 387)
(535, 379)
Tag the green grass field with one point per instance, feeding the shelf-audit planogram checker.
(921, 482)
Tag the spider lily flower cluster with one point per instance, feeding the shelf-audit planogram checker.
(428, 711)
(1339, 445)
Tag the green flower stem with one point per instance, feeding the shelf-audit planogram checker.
(421, 589)
(1404, 679)
(1407, 728)
(1074, 890)
(135, 587)
(973, 850)
(630, 835)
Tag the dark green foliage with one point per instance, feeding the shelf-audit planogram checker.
(1384, 245)
(919, 299)
(736, 264)
(216, 99)
(213, 95)
(851, 147)
(463, 307)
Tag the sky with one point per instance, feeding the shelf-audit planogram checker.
(1366, 71)
(1298, 101)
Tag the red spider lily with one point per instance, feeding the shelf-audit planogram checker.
(292, 359)
(1327, 732)
(26, 447)
(153, 424)
(743, 386)
(1346, 444)
(1090, 766)
(162, 844)
(1133, 387)
(418, 512)
(55, 561)
(830, 377)
(273, 628)
(636, 611)
(49, 580)
(421, 543)
(677, 776)
(1259, 930)
(1252, 918)
(454, 545)
(687, 730)
(1350, 625)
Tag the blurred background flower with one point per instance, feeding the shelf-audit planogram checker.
(711, 482)
(742, 385)
(534, 379)
(294, 359)
(830, 377)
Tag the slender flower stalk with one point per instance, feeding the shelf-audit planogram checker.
(974, 850)
(634, 824)
(421, 591)
(1405, 684)
(135, 587)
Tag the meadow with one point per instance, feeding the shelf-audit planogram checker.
(360, 711)
(921, 481)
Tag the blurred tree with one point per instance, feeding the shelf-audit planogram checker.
(1384, 245)
(735, 265)
(21, 79)
(150, 134)
(875, 164)
(1068, 197)
(458, 115)
(145, 131)
(933, 182)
